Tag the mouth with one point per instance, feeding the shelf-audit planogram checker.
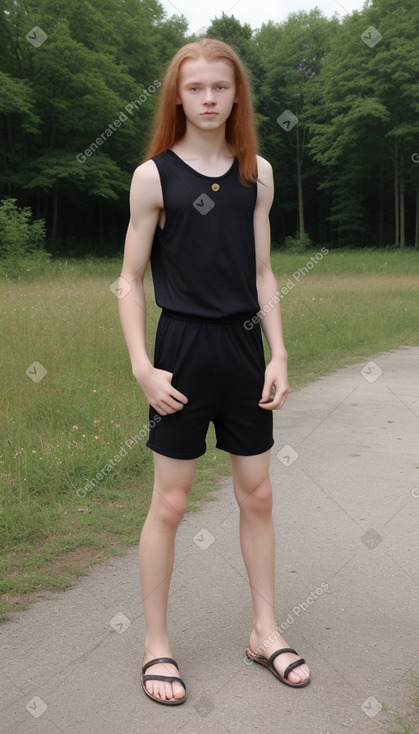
(209, 114)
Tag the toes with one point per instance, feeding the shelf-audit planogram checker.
(178, 690)
(168, 693)
(299, 675)
(165, 691)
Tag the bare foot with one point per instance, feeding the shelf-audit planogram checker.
(163, 690)
(267, 644)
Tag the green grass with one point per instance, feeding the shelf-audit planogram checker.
(58, 433)
(408, 724)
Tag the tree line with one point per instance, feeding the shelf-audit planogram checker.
(336, 100)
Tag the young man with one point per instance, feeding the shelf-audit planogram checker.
(200, 211)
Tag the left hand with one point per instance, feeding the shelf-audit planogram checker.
(276, 376)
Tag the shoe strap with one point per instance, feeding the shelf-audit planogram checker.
(165, 678)
(279, 652)
(156, 661)
(290, 667)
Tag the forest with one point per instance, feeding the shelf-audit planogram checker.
(336, 100)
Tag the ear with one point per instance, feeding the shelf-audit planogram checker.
(178, 100)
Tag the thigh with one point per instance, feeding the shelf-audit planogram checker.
(242, 426)
(173, 479)
(182, 348)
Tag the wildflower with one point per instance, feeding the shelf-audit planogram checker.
(75, 428)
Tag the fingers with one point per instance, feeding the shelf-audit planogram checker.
(167, 406)
(179, 396)
(273, 398)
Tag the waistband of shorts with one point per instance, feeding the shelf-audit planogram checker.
(234, 319)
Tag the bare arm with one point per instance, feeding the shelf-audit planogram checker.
(276, 373)
(146, 202)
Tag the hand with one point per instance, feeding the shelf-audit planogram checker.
(159, 391)
(276, 378)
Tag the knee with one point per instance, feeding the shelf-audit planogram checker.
(258, 501)
(169, 509)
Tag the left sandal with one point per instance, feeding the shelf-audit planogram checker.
(269, 664)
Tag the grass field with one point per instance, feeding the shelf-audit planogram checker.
(60, 431)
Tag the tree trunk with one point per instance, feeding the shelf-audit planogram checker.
(300, 200)
(54, 228)
(396, 194)
(417, 221)
(402, 217)
(380, 214)
(100, 227)
(301, 225)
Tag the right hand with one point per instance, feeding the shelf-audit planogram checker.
(159, 391)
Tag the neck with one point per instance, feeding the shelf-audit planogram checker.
(209, 145)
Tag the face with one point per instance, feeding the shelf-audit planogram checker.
(207, 92)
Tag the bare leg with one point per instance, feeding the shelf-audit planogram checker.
(253, 491)
(172, 482)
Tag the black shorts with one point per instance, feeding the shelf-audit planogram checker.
(219, 366)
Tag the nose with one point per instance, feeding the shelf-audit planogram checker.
(209, 96)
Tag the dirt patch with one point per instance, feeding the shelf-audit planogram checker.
(81, 557)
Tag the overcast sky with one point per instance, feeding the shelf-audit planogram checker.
(253, 12)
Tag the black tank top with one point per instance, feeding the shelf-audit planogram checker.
(203, 260)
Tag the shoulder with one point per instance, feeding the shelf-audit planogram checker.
(146, 184)
(265, 170)
(146, 173)
(265, 184)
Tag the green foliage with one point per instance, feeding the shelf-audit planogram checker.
(300, 243)
(21, 241)
(335, 170)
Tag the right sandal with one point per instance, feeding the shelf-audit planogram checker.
(269, 664)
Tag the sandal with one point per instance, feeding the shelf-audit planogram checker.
(166, 678)
(269, 664)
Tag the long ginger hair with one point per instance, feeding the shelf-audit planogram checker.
(170, 120)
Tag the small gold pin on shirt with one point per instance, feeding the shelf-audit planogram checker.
(215, 187)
